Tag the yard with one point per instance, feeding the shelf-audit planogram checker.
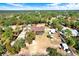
(42, 42)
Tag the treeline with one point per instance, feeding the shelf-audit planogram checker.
(7, 19)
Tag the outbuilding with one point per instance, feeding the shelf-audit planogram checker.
(38, 30)
(74, 32)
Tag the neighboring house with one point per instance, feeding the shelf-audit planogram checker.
(38, 30)
(74, 31)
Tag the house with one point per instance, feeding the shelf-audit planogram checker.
(38, 29)
(74, 32)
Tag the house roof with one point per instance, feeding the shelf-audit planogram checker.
(65, 46)
(34, 28)
(74, 32)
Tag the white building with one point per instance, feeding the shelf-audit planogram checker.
(74, 32)
(64, 46)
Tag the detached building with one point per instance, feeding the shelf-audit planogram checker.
(38, 30)
(74, 32)
(65, 47)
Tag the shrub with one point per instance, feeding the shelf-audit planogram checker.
(30, 37)
(71, 41)
(1, 49)
(67, 33)
(19, 44)
(53, 52)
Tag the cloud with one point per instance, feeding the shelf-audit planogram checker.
(15, 4)
(64, 6)
(42, 6)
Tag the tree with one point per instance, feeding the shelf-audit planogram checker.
(53, 52)
(61, 20)
(30, 37)
(7, 35)
(6, 39)
(2, 50)
(71, 41)
(55, 22)
(7, 23)
(10, 49)
(59, 27)
(67, 33)
(77, 52)
(19, 44)
(77, 45)
(77, 24)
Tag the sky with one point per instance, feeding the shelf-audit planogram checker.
(39, 6)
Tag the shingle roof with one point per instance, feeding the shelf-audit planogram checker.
(34, 28)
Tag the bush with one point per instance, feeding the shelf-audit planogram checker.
(77, 52)
(19, 44)
(71, 41)
(77, 45)
(30, 37)
(53, 52)
(77, 24)
(67, 33)
(7, 35)
(59, 27)
(2, 50)
(10, 49)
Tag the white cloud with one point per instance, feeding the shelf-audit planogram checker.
(52, 6)
(15, 4)
(40, 1)
(70, 6)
